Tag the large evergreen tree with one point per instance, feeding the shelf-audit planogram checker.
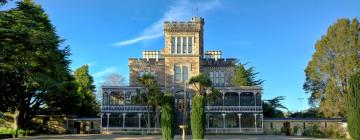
(246, 77)
(88, 105)
(33, 65)
(336, 58)
(353, 107)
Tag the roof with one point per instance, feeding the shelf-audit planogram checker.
(306, 119)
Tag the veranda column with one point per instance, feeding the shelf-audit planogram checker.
(101, 116)
(239, 121)
(107, 122)
(262, 121)
(139, 119)
(207, 119)
(120, 123)
(254, 98)
(124, 115)
(223, 115)
(255, 123)
(223, 98)
(239, 99)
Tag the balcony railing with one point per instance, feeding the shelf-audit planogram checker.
(234, 130)
(233, 109)
(124, 108)
(222, 109)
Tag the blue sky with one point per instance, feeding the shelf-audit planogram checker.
(277, 37)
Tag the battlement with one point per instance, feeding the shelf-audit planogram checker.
(194, 25)
(223, 62)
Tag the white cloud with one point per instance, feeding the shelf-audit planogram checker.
(180, 10)
(91, 64)
(104, 72)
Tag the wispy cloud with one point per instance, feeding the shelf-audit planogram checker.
(179, 10)
(104, 72)
(91, 64)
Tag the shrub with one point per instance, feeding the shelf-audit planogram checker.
(283, 130)
(296, 129)
(314, 131)
(12, 131)
(198, 117)
(334, 132)
(168, 117)
(353, 107)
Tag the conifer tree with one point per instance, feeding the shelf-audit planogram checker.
(353, 107)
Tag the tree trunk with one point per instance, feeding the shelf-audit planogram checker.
(16, 118)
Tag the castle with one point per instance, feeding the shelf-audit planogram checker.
(183, 56)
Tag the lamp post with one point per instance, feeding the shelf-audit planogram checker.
(184, 125)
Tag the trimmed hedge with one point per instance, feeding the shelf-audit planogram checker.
(198, 117)
(168, 117)
(353, 107)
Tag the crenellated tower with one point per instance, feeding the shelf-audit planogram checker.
(183, 51)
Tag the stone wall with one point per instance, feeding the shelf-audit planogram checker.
(143, 65)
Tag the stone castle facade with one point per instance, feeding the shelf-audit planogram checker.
(183, 56)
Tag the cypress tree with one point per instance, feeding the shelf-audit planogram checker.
(168, 117)
(353, 107)
(198, 117)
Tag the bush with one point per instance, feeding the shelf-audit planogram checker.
(353, 107)
(314, 131)
(296, 129)
(12, 131)
(334, 132)
(198, 117)
(168, 117)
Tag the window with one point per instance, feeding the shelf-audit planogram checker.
(185, 73)
(181, 45)
(177, 73)
(190, 44)
(178, 45)
(184, 45)
(141, 73)
(172, 45)
(181, 73)
(217, 77)
(221, 78)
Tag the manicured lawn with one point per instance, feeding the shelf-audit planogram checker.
(157, 137)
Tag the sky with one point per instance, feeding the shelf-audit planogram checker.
(276, 37)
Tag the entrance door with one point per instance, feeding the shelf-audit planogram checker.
(182, 109)
(77, 126)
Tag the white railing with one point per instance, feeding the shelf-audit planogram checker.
(233, 109)
(124, 108)
(224, 109)
(234, 130)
